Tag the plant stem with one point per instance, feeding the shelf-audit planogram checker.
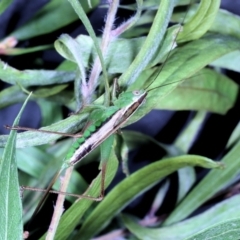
(106, 39)
(58, 209)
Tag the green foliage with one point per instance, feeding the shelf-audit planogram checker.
(10, 206)
(187, 84)
(221, 231)
(4, 4)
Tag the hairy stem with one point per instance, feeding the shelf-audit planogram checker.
(106, 39)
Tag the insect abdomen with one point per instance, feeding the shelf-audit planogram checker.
(87, 133)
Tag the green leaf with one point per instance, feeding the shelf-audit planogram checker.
(133, 186)
(226, 230)
(27, 78)
(201, 21)
(235, 136)
(151, 43)
(211, 184)
(32, 160)
(69, 47)
(178, 68)
(226, 23)
(50, 111)
(206, 222)
(72, 50)
(207, 91)
(186, 178)
(11, 226)
(133, 140)
(186, 138)
(4, 4)
(70, 125)
(44, 92)
(229, 61)
(116, 60)
(159, 198)
(11, 95)
(56, 95)
(54, 15)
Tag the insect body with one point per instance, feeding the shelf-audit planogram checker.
(108, 121)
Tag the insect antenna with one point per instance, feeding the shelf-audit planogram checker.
(163, 85)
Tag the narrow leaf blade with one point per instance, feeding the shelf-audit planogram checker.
(226, 230)
(10, 205)
(211, 184)
(205, 222)
(133, 186)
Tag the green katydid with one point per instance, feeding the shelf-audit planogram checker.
(104, 122)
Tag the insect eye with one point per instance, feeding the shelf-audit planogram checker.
(136, 92)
